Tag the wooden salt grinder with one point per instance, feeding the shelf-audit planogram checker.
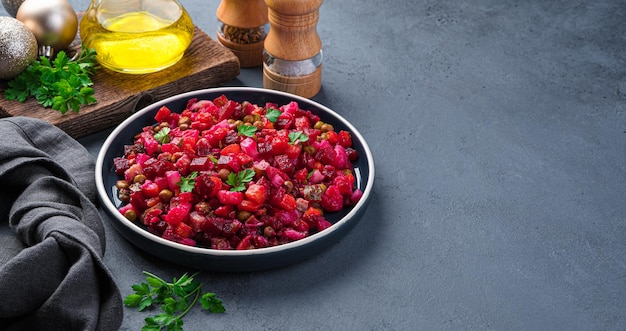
(293, 49)
(242, 28)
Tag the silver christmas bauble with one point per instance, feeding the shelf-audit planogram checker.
(12, 6)
(18, 47)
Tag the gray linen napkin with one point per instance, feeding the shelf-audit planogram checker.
(59, 281)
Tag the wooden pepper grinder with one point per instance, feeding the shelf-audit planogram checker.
(242, 28)
(292, 60)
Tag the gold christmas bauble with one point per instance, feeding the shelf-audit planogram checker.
(12, 6)
(18, 47)
(53, 22)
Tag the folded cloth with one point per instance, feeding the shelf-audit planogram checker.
(58, 281)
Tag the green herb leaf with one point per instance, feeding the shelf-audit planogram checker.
(246, 130)
(297, 136)
(163, 135)
(272, 115)
(211, 303)
(237, 181)
(62, 84)
(176, 300)
(186, 183)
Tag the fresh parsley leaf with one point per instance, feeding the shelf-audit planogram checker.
(61, 84)
(210, 302)
(163, 135)
(237, 181)
(186, 183)
(246, 130)
(176, 299)
(272, 115)
(297, 136)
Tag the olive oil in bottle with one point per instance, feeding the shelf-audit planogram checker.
(137, 36)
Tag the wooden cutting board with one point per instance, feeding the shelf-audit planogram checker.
(206, 63)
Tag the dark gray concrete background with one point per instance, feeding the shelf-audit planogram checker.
(498, 131)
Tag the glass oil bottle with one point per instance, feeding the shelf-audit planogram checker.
(137, 36)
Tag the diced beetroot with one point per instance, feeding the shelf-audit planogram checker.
(288, 202)
(187, 242)
(149, 143)
(341, 157)
(345, 139)
(156, 167)
(257, 193)
(231, 149)
(355, 197)
(285, 120)
(183, 230)
(260, 241)
(137, 199)
(161, 182)
(207, 186)
(286, 217)
(220, 244)
(162, 114)
(249, 146)
(150, 188)
(316, 177)
(121, 165)
(352, 154)
(323, 224)
(277, 180)
(197, 221)
(284, 163)
(325, 153)
(332, 200)
(279, 144)
(173, 178)
(182, 164)
(216, 134)
(248, 205)
(229, 197)
(302, 123)
(219, 226)
(344, 185)
(131, 172)
(225, 211)
(245, 243)
(178, 214)
(293, 235)
(202, 163)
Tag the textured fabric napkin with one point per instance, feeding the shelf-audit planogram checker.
(58, 281)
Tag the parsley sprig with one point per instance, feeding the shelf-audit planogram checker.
(176, 300)
(163, 136)
(272, 114)
(61, 84)
(246, 130)
(297, 136)
(187, 183)
(237, 181)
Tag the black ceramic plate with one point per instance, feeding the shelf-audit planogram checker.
(231, 260)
